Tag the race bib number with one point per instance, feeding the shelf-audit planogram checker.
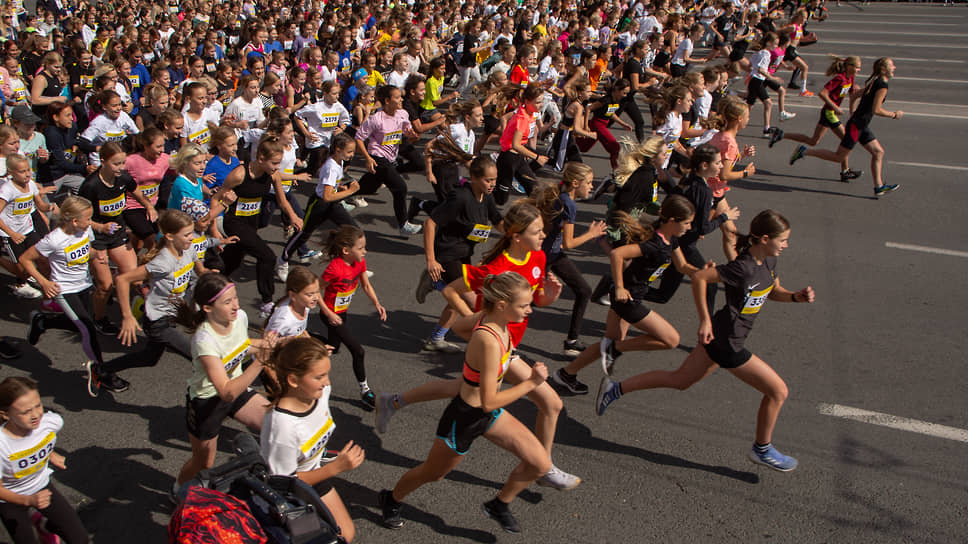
(845, 90)
(87, 82)
(315, 445)
(247, 207)
(210, 67)
(658, 272)
(201, 136)
(287, 183)
(393, 138)
(149, 191)
(330, 120)
(238, 356)
(23, 205)
(612, 108)
(755, 300)
(135, 81)
(343, 299)
(115, 136)
(20, 95)
(479, 233)
(30, 461)
(182, 278)
(199, 246)
(78, 254)
(113, 207)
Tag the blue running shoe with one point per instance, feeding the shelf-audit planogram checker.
(773, 459)
(518, 188)
(884, 189)
(608, 392)
(798, 154)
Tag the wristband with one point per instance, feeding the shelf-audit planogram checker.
(793, 297)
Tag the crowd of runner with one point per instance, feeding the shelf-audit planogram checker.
(146, 148)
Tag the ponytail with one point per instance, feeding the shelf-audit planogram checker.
(767, 223)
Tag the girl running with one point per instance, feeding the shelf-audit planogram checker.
(297, 428)
(289, 318)
(113, 125)
(346, 272)
(750, 280)
(733, 117)
(319, 122)
(219, 387)
(761, 78)
(27, 439)
(68, 250)
(668, 123)
(574, 124)
(858, 127)
(559, 213)
(147, 167)
(169, 271)
(520, 132)
(20, 226)
(478, 408)
(601, 113)
(650, 251)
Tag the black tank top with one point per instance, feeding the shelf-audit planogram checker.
(52, 89)
(248, 205)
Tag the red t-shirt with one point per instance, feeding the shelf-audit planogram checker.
(532, 268)
(519, 75)
(839, 87)
(520, 121)
(342, 279)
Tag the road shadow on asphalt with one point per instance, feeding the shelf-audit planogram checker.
(776, 187)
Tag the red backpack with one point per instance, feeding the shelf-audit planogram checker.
(210, 516)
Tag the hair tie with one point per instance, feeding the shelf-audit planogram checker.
(220, 293)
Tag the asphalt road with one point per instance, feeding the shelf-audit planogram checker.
(661, 466)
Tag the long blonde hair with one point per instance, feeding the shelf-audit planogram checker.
(634, 155)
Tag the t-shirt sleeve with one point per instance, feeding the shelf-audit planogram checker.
(732, 273)
(44, 246)
(834, 83)
(203, 344)
(474, 277)
(156, 267)
(447, 212)
(279, 447)
(366, 129)
(569, 212)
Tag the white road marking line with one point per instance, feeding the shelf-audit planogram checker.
(854, 22)
(872, 57)
(856, 31)
(906, 113)
(933, 80)
(928, 165)
(926, 249)
(874, 44)
(930, 104)
(894, 422)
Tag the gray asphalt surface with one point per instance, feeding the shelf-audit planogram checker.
(660, 466)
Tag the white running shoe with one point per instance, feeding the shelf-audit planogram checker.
(24, 290)
(786, 116)
(282, 271)
(409, 228)
(559, 479)
(384, 411)
(443, 346)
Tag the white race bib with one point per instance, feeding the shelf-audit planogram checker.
(247, 207)
(79, 253)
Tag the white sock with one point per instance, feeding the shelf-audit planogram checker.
(364, 387)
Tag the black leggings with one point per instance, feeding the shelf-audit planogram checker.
(77, 316)
(162, 335)
(566, 270)
(387, 174)
(510, 165)
(317, 212)
(340, 334)
(672, 278)
(250, 243)
(631, 108)
(62, 520)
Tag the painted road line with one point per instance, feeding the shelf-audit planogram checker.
(928, 165)
(926, 249)
(906, 113)
(929, 104)
(932, 80)
(872, 57)
(911, 23)
(887, 32)
(878, 44)
(894, 422)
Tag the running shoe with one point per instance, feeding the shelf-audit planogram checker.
(884, 189)
(798, 154)
(608, 392)
(609, 353)
(776, 135)
(443, 346)
(40, 524)
(266, 309)
(559, 479)
(391, 510)
(602, 188)
(573, 348)
(385, 408)
(849, 174)
(569, 382)
(773, 459)
(347, 206)
(806, 93)
(93, 378)
(518, 188)
(357, 201)
(8, 351)
(603, 300)
(51, 306)
(502, 515)
(424, 287)
(767, 131)
(307, 258)
(105, 327)
(36, 327)
(282, 271)
(414, 209)
(290, 230)
(369, 273)
(328, 456)
(369, 399)
(409, 228)
(786, 116)
(114, 383)
(24, 290)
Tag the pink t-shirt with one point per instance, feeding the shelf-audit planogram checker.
(383, 133)
(147, 175)
(729, 151)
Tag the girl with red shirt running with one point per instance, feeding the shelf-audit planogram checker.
(519, 71)
(345, 273)
(733, 117)
(520, 131)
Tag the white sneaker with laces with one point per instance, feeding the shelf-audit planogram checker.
(409, 228)
(786, 116)
(282, 271)
(559, 479)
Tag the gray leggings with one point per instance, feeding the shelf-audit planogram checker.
(162, 335)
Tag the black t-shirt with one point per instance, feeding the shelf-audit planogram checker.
(609, 107)
(726, 25)
(701, 196)
(864, 113)
(641, 271)
(412, 108)
(108, 202)
(633, 66)
(462, 223)
(766, 25)
(661, 59)
(468, 58)
(747, 285)
(637, 192)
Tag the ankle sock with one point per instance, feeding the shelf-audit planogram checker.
(761, 449)
(439, 333)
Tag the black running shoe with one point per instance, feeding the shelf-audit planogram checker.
(104, 327)
(849, 174)
(502, 515)
(569, 382)
(93, 378)
(7, 351)
(391, 510)
(369, 399)
(114, 383)
(776, 134)
(36, 327)
(602, 188)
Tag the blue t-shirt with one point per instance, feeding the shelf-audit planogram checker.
(183, 193)
(221, 170)
(569, 212)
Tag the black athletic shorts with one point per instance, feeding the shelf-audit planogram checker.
(854, 133)
(632, 310)
(110, 241)
(829, 119)
(462, 423)
(757, 89)
(204, 417)
(14, 250)
(724, 355)
(739, 50)
(790, 54)
(137, 221)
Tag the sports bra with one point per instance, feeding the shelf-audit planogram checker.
(473, 377)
